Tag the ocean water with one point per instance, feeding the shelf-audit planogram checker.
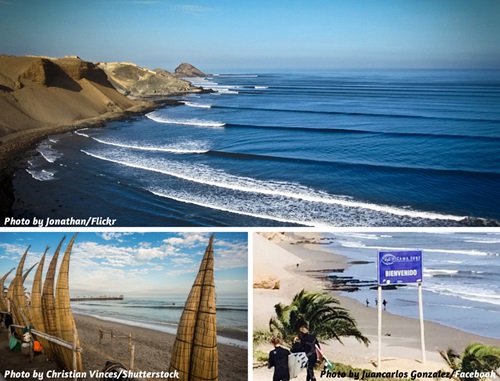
(461, 284)
(386, 148)
(164, 314)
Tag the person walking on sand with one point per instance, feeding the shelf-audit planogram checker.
(384, 303)
(278, 358)
(367, 302)
(308, 343)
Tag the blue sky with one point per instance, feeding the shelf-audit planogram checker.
(143, 264)
(227, 34)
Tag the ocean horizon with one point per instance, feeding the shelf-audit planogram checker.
(337, 148)
(163, 314)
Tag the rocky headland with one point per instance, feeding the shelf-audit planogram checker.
(185, 70)
(138, 82)
(40, 96)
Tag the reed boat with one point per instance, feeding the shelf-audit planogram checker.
(195, 354)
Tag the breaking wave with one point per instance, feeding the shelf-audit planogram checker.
(186, 122)
(199, 105)
(278, 200)
(42, 175)
(48, 153)
(187, 147)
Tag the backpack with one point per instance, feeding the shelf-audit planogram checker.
(14, 344)
(37, 347)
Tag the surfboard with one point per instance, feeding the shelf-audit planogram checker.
(296, 362)
(329, 365)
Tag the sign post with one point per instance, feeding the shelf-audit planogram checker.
(379, 330)
(399, 267)
(421, 317)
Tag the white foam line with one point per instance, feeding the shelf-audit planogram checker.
(187, 122)
(199, 105)
(460, 252)
(471, 295)
(254, 188)
(212, 206)
(438, 271)
(42, 175)
(225, 91)
(143, 148)
(483, 241)
(235, 75)
(50, 160)
(81, 134)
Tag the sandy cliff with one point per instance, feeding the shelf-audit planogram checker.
(37, 92)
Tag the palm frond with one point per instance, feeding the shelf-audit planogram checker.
(321, 312)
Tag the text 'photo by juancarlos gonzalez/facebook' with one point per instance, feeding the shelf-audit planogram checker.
(219, 190)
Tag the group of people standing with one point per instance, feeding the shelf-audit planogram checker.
(304, 342)
(384, 303)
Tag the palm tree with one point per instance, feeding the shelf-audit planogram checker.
(321, 312)
(475, 357)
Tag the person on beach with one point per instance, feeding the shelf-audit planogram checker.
(367, 302)
(278, 358)
(384, 303)
(376, 301)
(307, 342)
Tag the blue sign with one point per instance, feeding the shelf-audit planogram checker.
(399, 267)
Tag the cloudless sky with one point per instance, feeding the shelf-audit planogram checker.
(228, 34)
(145, 264)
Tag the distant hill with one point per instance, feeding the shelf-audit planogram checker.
(138, 82)
(185, 70)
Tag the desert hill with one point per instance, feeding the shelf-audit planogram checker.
(137, 82)
(37, 91)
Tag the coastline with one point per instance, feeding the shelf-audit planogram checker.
(226, 336)
(401, 335)
(13, 147)
(152, 351)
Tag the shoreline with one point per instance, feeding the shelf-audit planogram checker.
(351, 301)
(15, 146)
(226, 336)
(401, 348)
(152, 351)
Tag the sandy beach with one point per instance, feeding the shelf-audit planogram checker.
(401, 336)
(152, 351)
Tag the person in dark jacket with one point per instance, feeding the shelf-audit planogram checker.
(278, 358)
(308, 342)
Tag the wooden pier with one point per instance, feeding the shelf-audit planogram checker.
(95, 298)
